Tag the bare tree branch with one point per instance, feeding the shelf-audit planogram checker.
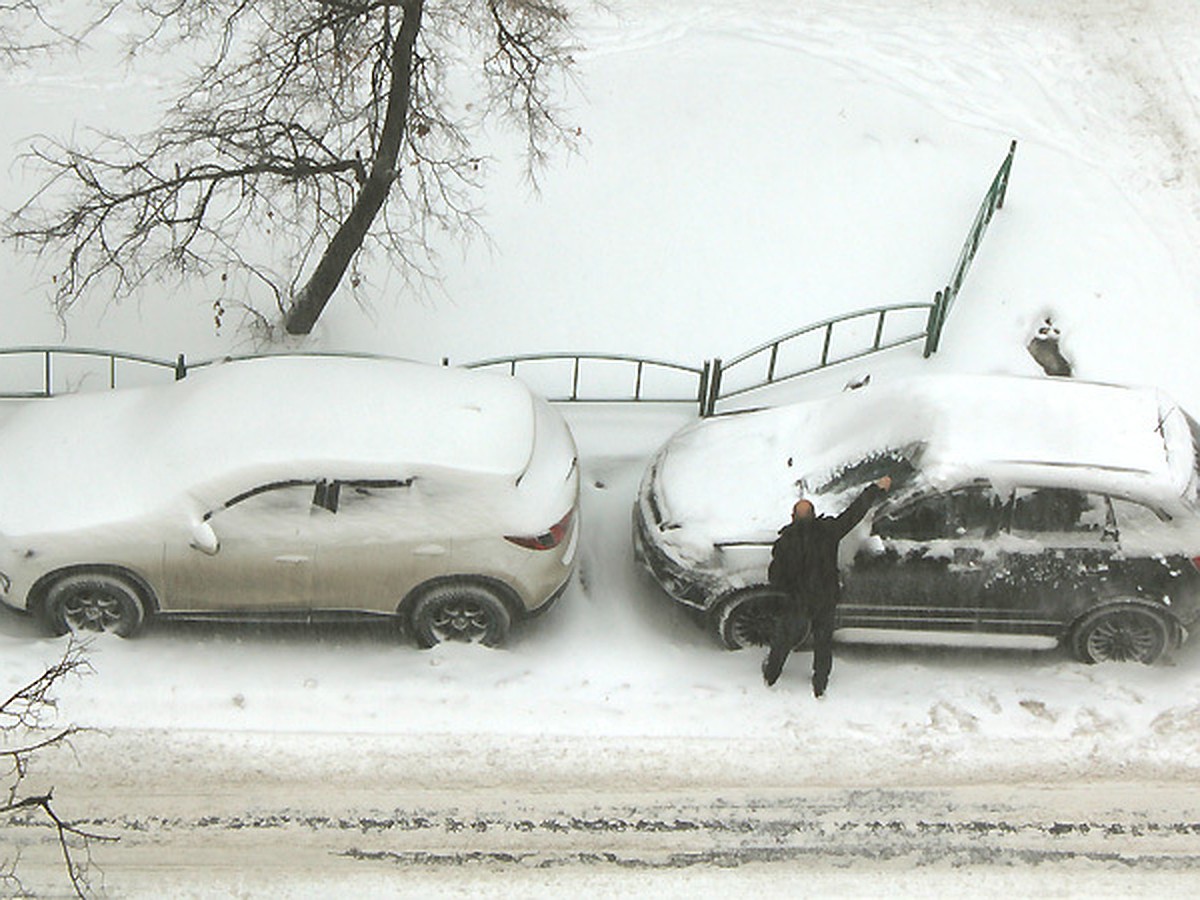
(328, 127)
(24, 734)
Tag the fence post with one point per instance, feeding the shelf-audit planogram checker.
(47, 377)
(702, 390)
(1012, 149)
(714, 389)
(933, 326)
(180, 368)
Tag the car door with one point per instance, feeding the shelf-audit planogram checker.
(925, 563)
(1057, 559)
(1157, 559)
(386, 537)
(267, 539)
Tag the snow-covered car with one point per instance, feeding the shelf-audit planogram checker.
(1025, 512)
(291, 486)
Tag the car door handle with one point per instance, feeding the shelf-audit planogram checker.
(293, 560)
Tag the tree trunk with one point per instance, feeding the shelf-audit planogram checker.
(310, 300)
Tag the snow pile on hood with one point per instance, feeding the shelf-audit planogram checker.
(736, 477)
(76, 461)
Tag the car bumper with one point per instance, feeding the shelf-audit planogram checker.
(681, 584)
(548, 602)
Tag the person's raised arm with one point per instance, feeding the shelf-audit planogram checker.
(853, 514)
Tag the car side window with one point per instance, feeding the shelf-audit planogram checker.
(1133, 518)
(1047, 510)
(969, 512)
(281, 498)
(280, 508)
(365, 499)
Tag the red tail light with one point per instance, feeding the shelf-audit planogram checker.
(548, 540)
(1196, 563)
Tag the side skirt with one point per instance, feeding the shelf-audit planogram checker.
(945, 638)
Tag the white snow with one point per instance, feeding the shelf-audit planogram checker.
(747, 167)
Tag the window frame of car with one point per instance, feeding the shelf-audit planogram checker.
(326, 491)
(906, 505)
(328, 494)
(1005, 511)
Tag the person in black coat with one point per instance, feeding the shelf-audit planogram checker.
(804, 567)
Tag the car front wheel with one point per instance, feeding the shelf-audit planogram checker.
(747, 618)
(460, 611)
(1121, 634)
(92, 602)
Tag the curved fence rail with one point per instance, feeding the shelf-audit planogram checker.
(769, 354)
(608, 389)
(45, 358)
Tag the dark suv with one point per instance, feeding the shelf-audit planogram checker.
(1026, 512)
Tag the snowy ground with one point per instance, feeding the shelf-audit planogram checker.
(748, 167)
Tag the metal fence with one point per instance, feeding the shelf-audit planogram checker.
(768, 354)
(778, 360)
(992, 201)
(45, 357)
(580, 363)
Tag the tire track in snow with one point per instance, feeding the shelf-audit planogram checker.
(1148, 828)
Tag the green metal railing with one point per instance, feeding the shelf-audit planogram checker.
(770, 351)
(944, 299)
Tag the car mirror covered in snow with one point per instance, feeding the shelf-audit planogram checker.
(205, 539)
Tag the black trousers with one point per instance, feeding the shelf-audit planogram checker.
(790, 629)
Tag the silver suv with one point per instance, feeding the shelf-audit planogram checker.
(292, 487)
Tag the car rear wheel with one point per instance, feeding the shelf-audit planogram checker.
(94, 602)
(460, 611)
(1121, 634)
(747, 618)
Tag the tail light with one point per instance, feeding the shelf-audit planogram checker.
(548, 540)
(1196, 563)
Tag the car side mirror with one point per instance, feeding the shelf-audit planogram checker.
(205, 539)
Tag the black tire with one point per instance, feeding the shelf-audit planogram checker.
(1127, 633)
(747, 618)
(94, 602)
(464, 611)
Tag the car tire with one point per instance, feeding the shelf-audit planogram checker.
(1127, 633)
(94, 602)
(747, 618)
(464, 611)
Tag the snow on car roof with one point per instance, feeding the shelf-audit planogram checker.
(737, 476)
(81, 459)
